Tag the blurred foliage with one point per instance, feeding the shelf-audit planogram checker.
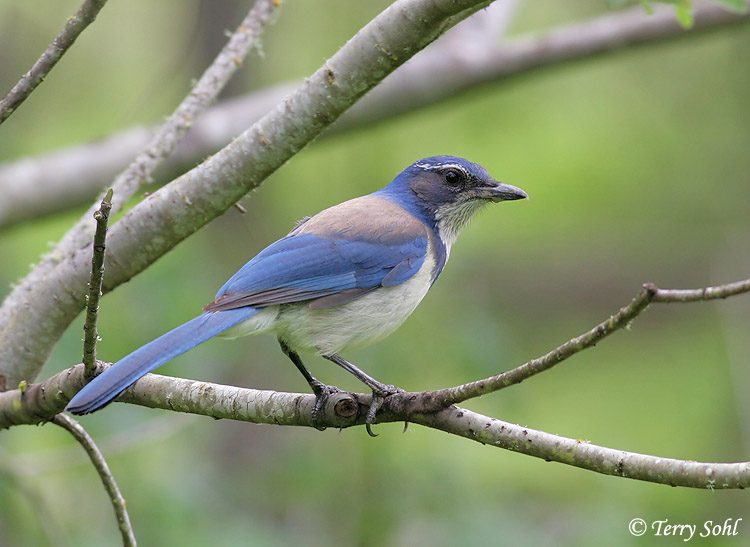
(637, 165)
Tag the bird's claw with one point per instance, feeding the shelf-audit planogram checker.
(379, 396)
(322, 393)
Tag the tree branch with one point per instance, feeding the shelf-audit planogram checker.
(73, 175)
(37, 402)
(91, 335)
(702, 294)
(171, 132)
(36, 75)
(168, 216)
(349, 409)
(650, 293)
(108, 480)
(582, 454)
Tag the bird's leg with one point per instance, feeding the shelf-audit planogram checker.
(379, 390)
(321, 390)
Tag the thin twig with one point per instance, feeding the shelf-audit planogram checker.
(702, 294)
(108, 480)
(36, 75)
(650, 293)
(91, 335)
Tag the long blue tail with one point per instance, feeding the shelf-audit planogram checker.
(125, 372)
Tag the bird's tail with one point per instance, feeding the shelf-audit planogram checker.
(125, 372)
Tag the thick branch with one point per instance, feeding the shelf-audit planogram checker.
(173, 130)
(108, 480)
(74, 175)
(168, 216)
(35, 76)
(348, 409)
(38, 403)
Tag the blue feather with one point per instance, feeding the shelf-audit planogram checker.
(308, 266)
(117, 378)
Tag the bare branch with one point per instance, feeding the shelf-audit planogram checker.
(35, 76)
(33, 404)
(349, 409)
(73, 175)
(176, 211)
(650, 293)
(108, 480)
(90, 332)
(702, 294)
(578, 453)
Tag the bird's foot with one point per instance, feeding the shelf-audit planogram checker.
(379, 394)
(322, 393)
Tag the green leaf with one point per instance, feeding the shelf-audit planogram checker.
(740, 6)
(683, 10)
(647, 7)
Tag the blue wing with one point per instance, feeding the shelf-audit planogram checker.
(310, 267)
(334, 257)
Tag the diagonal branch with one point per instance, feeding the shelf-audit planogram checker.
(582, 454)
(174, 129)
(35, 76)
(73, 175)
(108, 480)
(650, 293)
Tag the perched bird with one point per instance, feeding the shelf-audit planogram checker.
(344, 278)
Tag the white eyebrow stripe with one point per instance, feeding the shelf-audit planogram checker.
(436, 166)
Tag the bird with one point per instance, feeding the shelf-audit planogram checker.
(342, 279)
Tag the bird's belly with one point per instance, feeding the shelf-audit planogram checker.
(355, 324)
(261, 322)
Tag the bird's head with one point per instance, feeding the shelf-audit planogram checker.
(450, 190)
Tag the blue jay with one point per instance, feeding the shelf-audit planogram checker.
(344, 278)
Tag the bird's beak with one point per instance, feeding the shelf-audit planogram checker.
(498, 191)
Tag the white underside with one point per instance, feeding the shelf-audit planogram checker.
(358, 323)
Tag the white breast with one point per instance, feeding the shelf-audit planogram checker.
(355, 324)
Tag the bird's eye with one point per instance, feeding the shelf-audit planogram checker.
(452, 176)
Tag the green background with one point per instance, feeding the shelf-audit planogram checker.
(637, 166)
